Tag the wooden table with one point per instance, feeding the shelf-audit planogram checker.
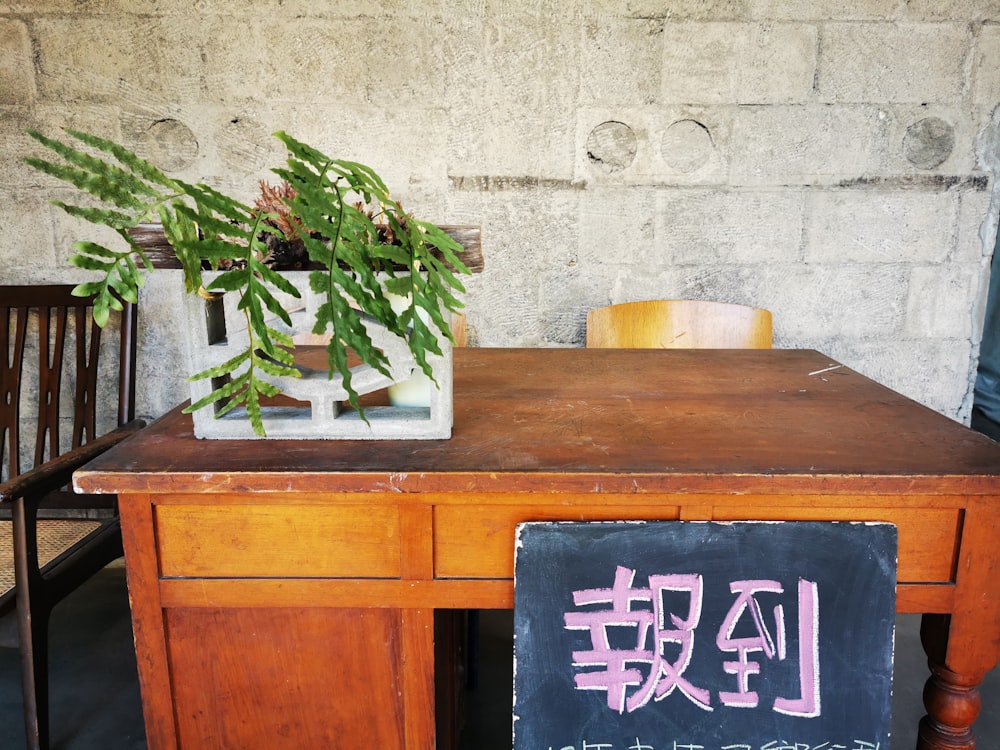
(283, 592)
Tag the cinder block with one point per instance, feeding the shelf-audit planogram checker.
(528, 121)
(721, 226)
(621, 61)
(954, 10)
(508, 313)
(697, 10)
(218, 332)
(976, 227)
(779, 64)
(806, 144)
(875, 226)
(25, 222)
(90, 59)
(986, 71)
(14, 145)
(544, 233)
(616, 227)
(69, 7)
(875, 62)
(565, 298)
(931, 311)
(163, 355)
(824, 10)
(737, 62)
(400, 75)
(52, 118)
(403, 145)
(846, 300)
(17, 78)
(501, 121)
(363, 62)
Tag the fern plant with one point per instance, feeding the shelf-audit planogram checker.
(359, 243)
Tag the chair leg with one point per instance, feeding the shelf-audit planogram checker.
(32, 625)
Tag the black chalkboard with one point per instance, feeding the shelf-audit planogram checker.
(772, 636)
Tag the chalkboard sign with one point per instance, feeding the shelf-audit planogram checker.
(703, 636)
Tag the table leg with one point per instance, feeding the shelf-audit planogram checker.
(952, 700)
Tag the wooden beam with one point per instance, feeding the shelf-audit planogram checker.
(154, 243)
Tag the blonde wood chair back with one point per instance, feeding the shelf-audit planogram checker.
(678, 324)
(459, 329)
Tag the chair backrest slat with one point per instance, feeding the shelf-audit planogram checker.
(51, 343)
(10, 384)
(88, 343)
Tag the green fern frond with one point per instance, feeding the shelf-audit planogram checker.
(136, 164)
(365, 245)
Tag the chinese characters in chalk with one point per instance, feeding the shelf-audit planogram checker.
(676, 745)
(652, 665)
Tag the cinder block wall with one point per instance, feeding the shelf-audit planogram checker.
(832, 160)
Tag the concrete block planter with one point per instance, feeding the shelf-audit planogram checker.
(314, 408)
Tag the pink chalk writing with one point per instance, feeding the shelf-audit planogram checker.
(632, 630)
(686, 745)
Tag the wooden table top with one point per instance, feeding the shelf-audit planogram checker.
(601, 420)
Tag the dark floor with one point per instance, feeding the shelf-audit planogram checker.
(95, 701)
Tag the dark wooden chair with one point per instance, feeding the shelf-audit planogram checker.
(53, 540)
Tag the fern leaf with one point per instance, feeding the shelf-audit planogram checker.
(278, 280)
(276, 369)
(213, 226)
(111, 177)
(88, 263)
(253, 408)
(226, 368)
(88, 288)
(104, 216)
(230, 281)
(139, 166)
(182, 234)
(228, 391)
(272, 303)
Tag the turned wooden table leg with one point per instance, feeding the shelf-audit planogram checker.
(953, 703)
(952, 700)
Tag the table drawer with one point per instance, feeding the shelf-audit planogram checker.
(928, 537)
(311, 541)
(478, 542)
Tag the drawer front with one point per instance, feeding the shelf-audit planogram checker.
(928, 537)
(296, 541)
(478, 541)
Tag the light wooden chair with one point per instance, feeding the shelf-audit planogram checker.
(459, 329)
(51, 539)
(678, 324)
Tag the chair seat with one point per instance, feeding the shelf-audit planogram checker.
(54, 538)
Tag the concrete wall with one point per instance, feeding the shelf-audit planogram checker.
(832, 160)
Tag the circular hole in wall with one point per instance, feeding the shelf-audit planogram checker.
(170, 145)
(611, 146)
(928, 142)
(687, 145)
